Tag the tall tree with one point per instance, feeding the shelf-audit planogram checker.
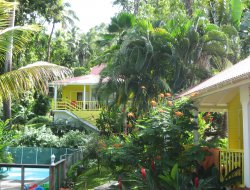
(62, 14)
(8, 62)
(17, 36)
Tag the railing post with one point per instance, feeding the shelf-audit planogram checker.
(64, 170)
(51, 177)
(55, 97)
(22, 177)
(84, 97)
(58, 175)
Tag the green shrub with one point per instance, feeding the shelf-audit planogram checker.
(41, 105)
(60, 127)
(40, 119)
(41, 137)
(74, 139)
(80, 71)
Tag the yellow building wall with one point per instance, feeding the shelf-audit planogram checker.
(235, 126)
(70, 92)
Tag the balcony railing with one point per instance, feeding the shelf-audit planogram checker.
(230, 160)
(65, 104)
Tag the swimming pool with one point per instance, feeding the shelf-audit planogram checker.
(29, 173)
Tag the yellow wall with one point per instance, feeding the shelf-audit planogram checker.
(70, 92)
(235, 135)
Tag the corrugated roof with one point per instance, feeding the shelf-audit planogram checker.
(239, 71)
(91, 79)
(96, 70)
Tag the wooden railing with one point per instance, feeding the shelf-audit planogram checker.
(65, 104)
(229, 160)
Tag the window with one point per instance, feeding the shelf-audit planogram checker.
(79, 96)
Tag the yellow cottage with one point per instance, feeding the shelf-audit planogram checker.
(78, 99)
(229, 92)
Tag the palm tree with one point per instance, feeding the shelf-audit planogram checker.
(137, 70)
(62, 15)
(198, 49)
(16, 37)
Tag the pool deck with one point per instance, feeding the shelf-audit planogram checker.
(7, 184)
(10, 184)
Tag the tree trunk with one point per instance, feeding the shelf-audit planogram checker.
(124, 119)
(6, 109)
(8, 67)
(188, 6)
(49, 42)
(136, 7)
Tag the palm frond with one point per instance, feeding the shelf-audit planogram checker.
(35, 75)
(20, 36)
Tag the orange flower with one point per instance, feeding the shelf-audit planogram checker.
(117, 145)
(161, 95)
(170, 103)
(178, 113)
(102, 145)
(161, 111)
(153, 103)
(129, 125)
(194, 94)
(131, 114)
(168, 94)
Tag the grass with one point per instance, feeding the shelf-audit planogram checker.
(89, 116)
(92, 178)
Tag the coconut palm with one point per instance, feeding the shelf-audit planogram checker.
(14, 82)
(66, 17)
(20, 34)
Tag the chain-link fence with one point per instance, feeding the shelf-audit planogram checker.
(37, 155)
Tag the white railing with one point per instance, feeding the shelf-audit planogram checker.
(65, 104)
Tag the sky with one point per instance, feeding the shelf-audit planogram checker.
(92, 12)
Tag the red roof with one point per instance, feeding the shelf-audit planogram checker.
(91, 79)
(96, 70)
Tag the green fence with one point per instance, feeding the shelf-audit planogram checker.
(30, 157)
(37, 155)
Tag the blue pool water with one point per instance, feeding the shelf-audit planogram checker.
(29, 173)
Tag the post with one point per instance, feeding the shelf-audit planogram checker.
(51, 177)
(64, 170)
(55, 97)
(84, 97)
(244, 99)
(58, 175)
(196, 133)
(22, 177)
(91, 105)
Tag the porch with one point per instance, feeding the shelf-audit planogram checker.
(229, 160)
(229, 92)
(73, 105)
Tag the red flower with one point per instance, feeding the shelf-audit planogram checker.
(196, 182)
(153, 165)
(120, 183)
(143, 173)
